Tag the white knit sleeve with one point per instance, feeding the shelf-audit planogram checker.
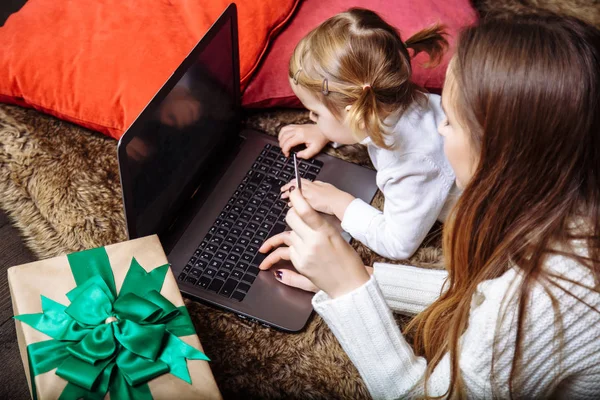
(367, 331)
(409, 290)
(415, 192)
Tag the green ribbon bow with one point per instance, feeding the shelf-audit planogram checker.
(107, 342)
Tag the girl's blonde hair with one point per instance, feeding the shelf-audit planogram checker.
(356, 58)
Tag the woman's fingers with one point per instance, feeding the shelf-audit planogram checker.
(287, 238)
(276, 241)
(305, 213)
(300, 228)
(288, 185)
(294, 279)
(285, 188)
(282, 253)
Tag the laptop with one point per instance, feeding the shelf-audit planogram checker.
(211, 190)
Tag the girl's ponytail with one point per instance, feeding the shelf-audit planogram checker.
(431, 41)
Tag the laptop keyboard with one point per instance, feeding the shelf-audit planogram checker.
(227, 259)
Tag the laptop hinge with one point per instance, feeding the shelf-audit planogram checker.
(199, 195)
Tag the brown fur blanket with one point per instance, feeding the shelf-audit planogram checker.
(60, 186)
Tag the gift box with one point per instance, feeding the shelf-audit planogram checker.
(108, 322)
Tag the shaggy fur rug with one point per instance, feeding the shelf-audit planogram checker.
(586, 10)
(60, 187)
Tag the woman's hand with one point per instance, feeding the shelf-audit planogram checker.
(307, 134)
(321, 196)
(317, 250)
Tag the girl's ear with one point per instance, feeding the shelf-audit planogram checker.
(348, 107)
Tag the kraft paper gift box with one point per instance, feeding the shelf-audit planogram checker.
(131, 338)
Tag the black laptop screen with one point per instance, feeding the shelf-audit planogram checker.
(172, 144)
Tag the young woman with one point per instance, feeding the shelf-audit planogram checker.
(519, 312)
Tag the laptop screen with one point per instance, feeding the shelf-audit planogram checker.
(169, 150)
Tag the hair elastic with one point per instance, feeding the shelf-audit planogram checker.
(295, 78)
(366, 85)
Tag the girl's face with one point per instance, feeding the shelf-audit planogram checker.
(457, 140)
(332, 128)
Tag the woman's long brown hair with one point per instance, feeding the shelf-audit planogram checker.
(528, 92)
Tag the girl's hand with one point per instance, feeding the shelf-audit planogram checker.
(317, 250)
(307, 134)
(321, 196)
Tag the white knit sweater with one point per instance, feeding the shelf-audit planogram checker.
(363, 323)
(416, 180)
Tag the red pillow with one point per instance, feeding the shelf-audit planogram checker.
(270, 88)
(97, 63)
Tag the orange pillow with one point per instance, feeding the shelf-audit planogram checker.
(98, 63)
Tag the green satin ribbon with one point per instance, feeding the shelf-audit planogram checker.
(107, 342)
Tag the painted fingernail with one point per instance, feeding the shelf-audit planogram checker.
(292, 188)
(278, 275)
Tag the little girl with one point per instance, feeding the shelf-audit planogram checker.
(353, 74)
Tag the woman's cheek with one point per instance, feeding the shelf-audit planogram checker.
(451, 154)
(442, 129)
